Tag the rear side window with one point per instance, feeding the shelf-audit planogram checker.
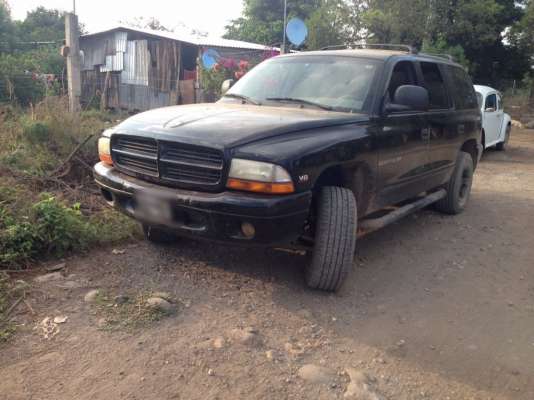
(491, 102)
(463, 91)
(434, 83)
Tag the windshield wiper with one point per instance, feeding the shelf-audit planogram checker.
(301, 101)
(242, 97)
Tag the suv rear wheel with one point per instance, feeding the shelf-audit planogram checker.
(157, 235)
(335, 239)
(459, 186)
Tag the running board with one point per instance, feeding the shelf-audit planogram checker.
(367, 226)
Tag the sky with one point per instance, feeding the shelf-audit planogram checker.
(205, 15)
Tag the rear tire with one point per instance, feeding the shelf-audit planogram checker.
(157, 235)
(335, 239)
(501, 146)
(459, 186)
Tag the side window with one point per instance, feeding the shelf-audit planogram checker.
(403, 74)
(463, 91)
(434, 83)
(491, 102)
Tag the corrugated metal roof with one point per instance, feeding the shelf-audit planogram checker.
(187, 38)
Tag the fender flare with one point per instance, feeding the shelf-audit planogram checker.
(507, 120)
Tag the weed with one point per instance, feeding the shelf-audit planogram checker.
(6, 328)
(33, 144)
(131, 314)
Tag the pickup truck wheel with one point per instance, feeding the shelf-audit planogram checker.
(459, 186)
(502, 145)
(335, 239)
(157, 235)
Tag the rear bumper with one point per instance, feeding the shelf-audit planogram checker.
(213, 216)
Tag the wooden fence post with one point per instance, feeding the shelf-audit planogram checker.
(73, 61)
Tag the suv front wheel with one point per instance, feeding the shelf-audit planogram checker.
(335, 239)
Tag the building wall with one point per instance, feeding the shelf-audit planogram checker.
(135, 71)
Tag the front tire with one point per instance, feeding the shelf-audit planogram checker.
(335, 239)
(157, 235)
(459, 186)
(501, 146)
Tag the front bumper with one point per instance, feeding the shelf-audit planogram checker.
(214, 216)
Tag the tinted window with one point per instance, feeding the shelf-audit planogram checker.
(343, 83)
(403, 74)
(434, 83)
(463, 91)
(491, 102)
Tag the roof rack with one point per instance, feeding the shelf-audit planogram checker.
(384, 46)
(439, 55)
(335, 47)
(387, 46)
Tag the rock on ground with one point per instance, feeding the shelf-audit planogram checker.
(163, 295)
(160, 304)
(91, 295)
(316, 374)
(359, 387)
(52, 276)
(247, 336)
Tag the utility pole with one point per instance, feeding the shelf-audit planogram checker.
(72, 52)
(283, 50)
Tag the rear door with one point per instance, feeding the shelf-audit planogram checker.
(442, 146)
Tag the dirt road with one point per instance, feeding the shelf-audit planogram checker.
(437, 307)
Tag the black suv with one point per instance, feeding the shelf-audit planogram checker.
(307, 150)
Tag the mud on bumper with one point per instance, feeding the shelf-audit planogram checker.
(214, 216)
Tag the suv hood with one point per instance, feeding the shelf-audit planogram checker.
(226, 125)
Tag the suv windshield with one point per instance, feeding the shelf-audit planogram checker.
(331, 83)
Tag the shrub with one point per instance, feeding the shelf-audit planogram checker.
(51, 228)
(36, 132)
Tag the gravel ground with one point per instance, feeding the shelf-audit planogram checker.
(437, 307)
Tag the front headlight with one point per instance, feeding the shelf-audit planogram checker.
(260, 177)
(104, 150)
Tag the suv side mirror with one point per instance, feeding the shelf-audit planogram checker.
(226, 85)
(409, 98)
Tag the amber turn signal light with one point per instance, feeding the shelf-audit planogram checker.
(260, 187)
(104, 150)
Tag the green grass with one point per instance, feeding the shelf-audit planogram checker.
(42, 219)
(130, 315)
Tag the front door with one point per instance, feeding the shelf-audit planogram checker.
(492, 119)
(403, 144)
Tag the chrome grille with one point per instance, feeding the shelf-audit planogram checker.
(190, 164)
(176, 164)
(135, 154)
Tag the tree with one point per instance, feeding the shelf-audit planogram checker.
(521, 34)
(42, 25)
(471, 29)
(327, 26)
(6, 27)
(262, 20)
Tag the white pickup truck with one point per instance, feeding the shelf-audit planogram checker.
(496, 124)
